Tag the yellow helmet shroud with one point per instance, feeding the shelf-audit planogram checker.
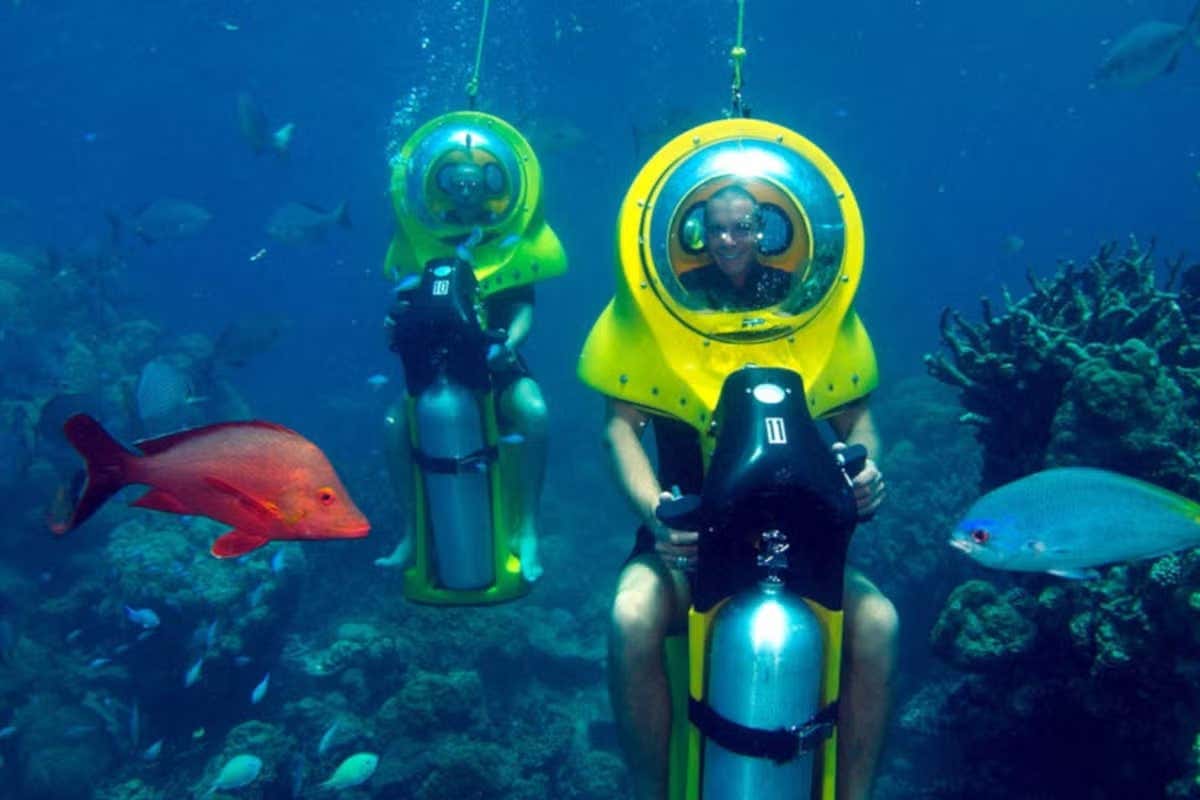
(471, 180)
(657, 346)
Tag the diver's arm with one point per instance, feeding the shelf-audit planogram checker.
(855, 425)
(512, 310)
(519, 325)
(623, 427)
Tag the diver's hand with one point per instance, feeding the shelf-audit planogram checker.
(869, 488)
(677, 548)
(500, 357)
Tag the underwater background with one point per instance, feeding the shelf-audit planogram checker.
(138, 225)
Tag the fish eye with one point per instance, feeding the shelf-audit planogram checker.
(326, 496)
(980, 536)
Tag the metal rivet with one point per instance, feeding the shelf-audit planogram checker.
(654, 390)
(624, 379)
(854, 378)
(644, 285)
(683, 401)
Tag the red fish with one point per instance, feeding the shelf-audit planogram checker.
(265, 480)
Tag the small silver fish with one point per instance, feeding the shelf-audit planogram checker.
(300, 223)
(327, 738)
(165, 218)
(192, 676)
(260, 691)
(1149, 50)
(163, 390)
(152, 752)
(145, 617)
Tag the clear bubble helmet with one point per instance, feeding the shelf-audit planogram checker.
(663, 345)
(469, 178)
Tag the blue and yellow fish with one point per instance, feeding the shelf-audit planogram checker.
(1069, 520)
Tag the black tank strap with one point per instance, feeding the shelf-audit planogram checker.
(779, 745)
(441, 465)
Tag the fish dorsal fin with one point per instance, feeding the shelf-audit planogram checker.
(160, 444)
(267, 510)
(236, 543)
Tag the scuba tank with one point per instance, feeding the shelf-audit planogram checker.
(437, 333)
(766, 658)
(775, 516)
(453, 459)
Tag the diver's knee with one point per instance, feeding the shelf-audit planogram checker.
(874, 631)
(529, 408)
(640, 612)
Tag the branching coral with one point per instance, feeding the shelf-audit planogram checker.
(1104, 340)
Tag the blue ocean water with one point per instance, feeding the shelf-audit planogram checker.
(963, 128)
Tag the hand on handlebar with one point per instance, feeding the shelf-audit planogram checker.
(677, 548)
(869, 488)
(500, 355)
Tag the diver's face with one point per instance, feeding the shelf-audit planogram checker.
(465, 185)
(731, 235)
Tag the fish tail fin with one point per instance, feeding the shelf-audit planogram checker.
(341, 215)
(107, 466)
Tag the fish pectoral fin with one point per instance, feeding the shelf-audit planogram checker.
(1085, 574)
(269, 510)
(237, 543)
(161, 500)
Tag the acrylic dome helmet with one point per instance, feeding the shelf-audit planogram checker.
(664, 348)
(470, 180)
(460, 172)
(800, 230)
(466, 185)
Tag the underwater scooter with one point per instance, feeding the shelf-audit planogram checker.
(775, 517)
(460, 512)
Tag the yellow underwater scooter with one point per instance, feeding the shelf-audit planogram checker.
(755, 680)
(467, 193)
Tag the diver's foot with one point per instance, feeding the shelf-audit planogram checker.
(399, 556)
(527, 551)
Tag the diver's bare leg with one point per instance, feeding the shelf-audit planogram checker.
(396, 449)
(868, 667)
(648, 600)
(523, 411)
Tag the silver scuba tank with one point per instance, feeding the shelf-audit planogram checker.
(458, 504)
(765, 660)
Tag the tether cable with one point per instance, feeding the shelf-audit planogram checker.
(738, 54)
(473, 83)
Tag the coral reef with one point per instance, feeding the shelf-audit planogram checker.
(1066, 682)
(1098, 365)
